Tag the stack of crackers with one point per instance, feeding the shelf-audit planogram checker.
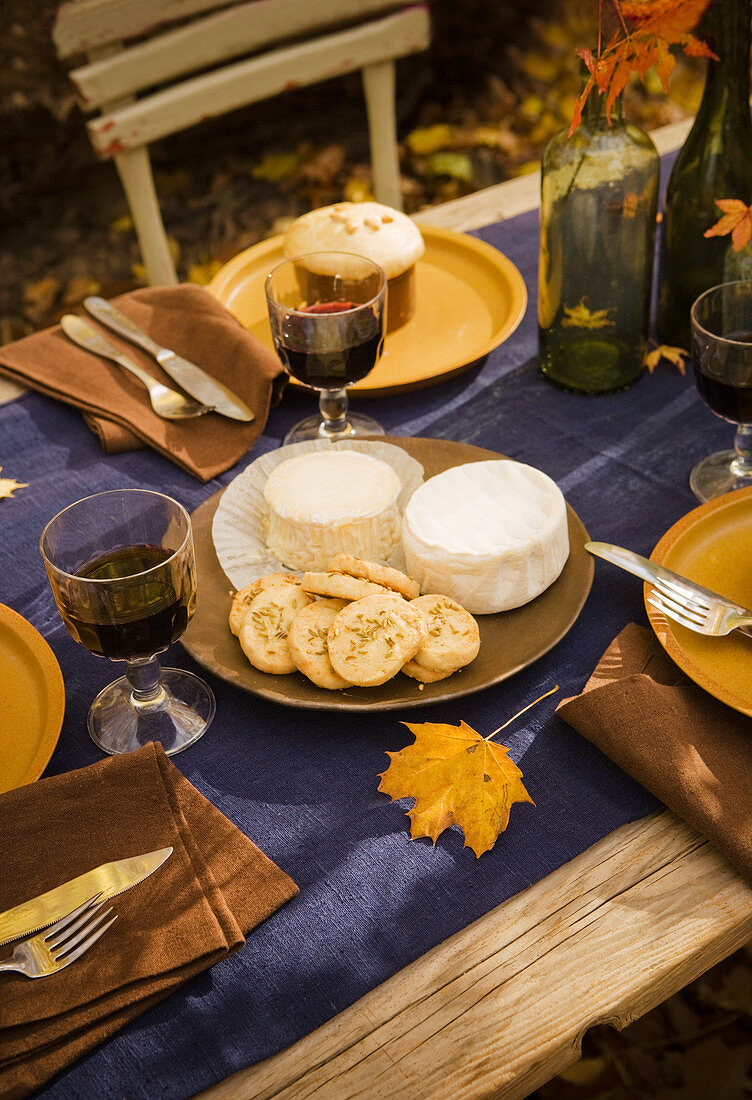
(357, 624)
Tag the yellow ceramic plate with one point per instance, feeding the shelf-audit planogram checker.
(32, 701)
(712, 545)
(469, 296)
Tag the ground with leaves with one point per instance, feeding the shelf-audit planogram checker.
(501, 78)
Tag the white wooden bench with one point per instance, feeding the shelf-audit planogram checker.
(156, 67)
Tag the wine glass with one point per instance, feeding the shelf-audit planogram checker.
(722, 353)
(327, 314)
(123, 575)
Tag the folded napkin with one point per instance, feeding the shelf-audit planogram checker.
(189, 914)
(691, 751)
(190, 321)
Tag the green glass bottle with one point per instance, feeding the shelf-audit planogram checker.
(599, 195)
(715, 162)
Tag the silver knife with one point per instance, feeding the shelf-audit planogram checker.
(649, 570)
(108, 880)
(192, 378)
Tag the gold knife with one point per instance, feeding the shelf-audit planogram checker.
(107, 880)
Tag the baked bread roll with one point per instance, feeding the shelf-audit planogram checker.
(389, 238)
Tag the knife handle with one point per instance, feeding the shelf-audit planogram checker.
(105, 312)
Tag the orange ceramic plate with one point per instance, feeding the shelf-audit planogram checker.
(32, 701)
(469, 296)
(712, 545)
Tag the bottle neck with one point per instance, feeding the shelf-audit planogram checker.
(594, 111)
(726, 29)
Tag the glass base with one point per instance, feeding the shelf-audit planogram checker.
(715, 475)
(356, 426)
(180, 711)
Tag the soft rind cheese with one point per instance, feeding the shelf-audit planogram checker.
(325, 503)
(491, 535)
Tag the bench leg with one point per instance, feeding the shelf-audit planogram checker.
(378, 85)
(134, 168)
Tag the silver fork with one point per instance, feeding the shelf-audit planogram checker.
(62, 943)
(696, 612)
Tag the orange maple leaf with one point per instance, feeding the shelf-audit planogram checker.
(736, 220)
(456, 777)
(646, 30)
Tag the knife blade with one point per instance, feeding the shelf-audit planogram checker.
(650, 570)
(191, 377)
(108, 880)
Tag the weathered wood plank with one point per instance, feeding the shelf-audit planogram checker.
(176, 108)
(82, 25)
(233, 32)
(502, 1006)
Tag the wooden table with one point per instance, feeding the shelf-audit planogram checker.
(501, 1007)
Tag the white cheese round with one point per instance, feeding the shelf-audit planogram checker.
(331, 502)
(491, 535)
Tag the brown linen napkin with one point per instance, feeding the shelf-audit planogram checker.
(691, 751)
(190, 321)
(189, 914)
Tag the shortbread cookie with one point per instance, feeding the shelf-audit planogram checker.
(242, 599)
(342, 586)
(425, 675)
(263, 635)
(371, 639)
(453, 638)
(378, 574)
(307, 640)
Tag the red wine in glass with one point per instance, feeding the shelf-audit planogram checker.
(338, 355)
(730, 398)
(144, 619)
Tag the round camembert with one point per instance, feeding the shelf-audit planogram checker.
(491, 535)
(325, 503)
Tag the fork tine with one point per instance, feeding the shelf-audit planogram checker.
(669, 588)
(87, 943)
(68, 939)
(677, 607)
(678, 617)
(67, 925)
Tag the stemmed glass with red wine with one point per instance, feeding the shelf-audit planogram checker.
(122, 571)
(722, 353)
(327, 312)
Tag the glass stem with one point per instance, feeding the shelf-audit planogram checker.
(333, 409)
(143, 676)
(741, 465)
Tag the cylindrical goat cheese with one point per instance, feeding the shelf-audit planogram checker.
(491, 535)
(332, 502)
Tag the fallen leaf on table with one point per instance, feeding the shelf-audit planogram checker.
(667, 351)
(456, 777)
(8, 485)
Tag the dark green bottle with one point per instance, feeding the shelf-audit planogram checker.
(599, 194)
(715, 162)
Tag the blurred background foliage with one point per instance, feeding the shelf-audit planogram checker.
(476, 109)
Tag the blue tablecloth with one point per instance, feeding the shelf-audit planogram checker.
(303, 784)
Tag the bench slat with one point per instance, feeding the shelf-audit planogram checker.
(174, 109)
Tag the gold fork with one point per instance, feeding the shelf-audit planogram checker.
(62, 943)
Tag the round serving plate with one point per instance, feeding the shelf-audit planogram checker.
(711, 545)
(32, 701)
(469, 299)
(510, 641)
